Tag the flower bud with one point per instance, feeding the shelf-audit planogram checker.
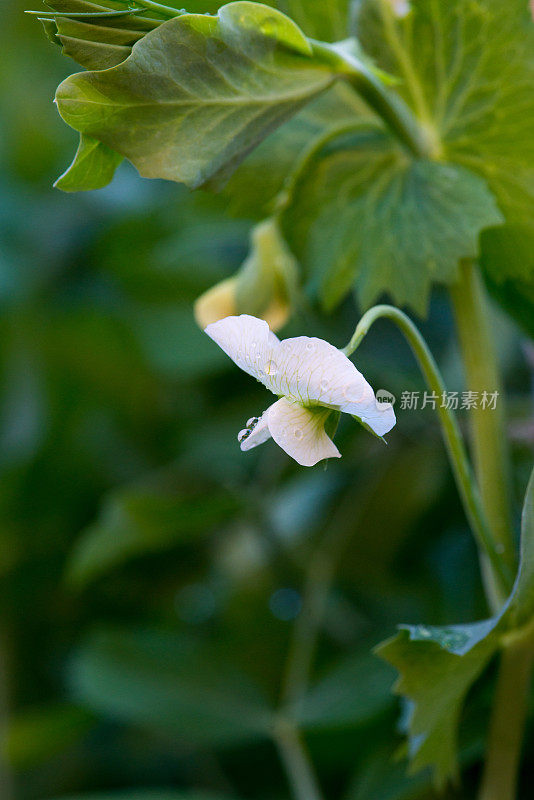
(264, 286)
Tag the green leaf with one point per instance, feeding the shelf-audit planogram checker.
(217, 87)
(106, 13)
(93, 55)
(363, 213)
(143, 520)
(350, 694)
(93, 167)
(166, 683)
(327, 20)
(254, 187)
(438, 665)
(476, 102)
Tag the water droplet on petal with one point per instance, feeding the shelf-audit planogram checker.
(271, 368)
(297, 433)
(310, 346)
(323, 386)
(252, 422)
(242, 435)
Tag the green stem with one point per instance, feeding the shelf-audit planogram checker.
(473, 318)
(510, 706)
(166, 11)
(296, 761)
(306, 629)
(502, 576)
(389, 106)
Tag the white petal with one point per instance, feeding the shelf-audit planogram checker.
(248, 341)
(313, 371)
(260, 433)
(300, 432)
(380, 417)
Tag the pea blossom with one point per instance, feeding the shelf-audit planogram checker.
(311, 378)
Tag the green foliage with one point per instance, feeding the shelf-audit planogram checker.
(217, 87)
(328, 21)
(259, 184)
(144, 520)
(93, 167)
(164, 682)
(353, 692)
(438, 665)
(415, 219)
(475, 101)
(198, 116)
(119, 464)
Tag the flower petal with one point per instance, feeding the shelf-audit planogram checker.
(380, 417)
(249, 342)
(259, 434)
(300, 432)
(311, 371)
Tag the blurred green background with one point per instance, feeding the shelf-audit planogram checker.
(152, 575)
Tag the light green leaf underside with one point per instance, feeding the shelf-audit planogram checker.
(93, 167)
(477, 100)
(364, 213)
(198, 93)
(438, 665)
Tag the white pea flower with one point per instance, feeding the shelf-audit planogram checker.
(311, 378)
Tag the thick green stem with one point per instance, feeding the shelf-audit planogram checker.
(296, 762)
(473, 318)
(501, 575)
(510, 708)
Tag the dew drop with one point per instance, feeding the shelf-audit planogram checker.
(310, 346)
(271, 368)
(297, 433)
(252, 422)
(242, 435)
(323, 386)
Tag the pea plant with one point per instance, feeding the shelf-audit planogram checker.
(384, 147)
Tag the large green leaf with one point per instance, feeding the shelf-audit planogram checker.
(467, 69)
(166, 683)
(198, 93)
(363, 213)
(93, 167)
(438, 665)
